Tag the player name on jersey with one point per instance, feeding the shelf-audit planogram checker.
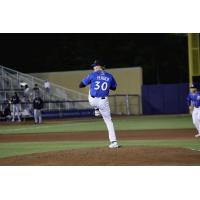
(104, 78)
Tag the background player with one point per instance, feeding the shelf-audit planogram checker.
(193, 100)
(7, 111)
(101, 82)
(37, 106)
(15, 107)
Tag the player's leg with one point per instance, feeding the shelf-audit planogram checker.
(35, 116)
(93, 102)
(198, 121)
(17, 111)
(104, 109)
(13, 112)
(195, 118)
(39, 116)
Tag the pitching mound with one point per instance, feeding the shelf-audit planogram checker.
(142, 156)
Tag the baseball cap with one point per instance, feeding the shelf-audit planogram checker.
(98, 63)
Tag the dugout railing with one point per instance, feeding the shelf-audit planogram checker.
(125, 104)
(120, 104)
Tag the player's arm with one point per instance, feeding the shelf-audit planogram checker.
(86, 81)
(188, 99)
(42, 103)
(113, 85)
(190, 106)
(33, 102)
(18, 99)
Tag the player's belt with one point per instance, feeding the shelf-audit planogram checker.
(98, 97)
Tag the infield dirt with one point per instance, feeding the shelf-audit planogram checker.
(130, 156)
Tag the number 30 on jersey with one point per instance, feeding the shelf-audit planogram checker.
(103, 86)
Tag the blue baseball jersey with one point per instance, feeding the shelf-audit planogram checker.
(193, 99)
(100, 83)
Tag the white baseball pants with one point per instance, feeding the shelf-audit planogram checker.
(196, 118)
(104, 108)
(37, 116)
(15, 109)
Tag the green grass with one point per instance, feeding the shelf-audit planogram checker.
(131, 123)
(95, 124)
(154, 122)
(22, 148)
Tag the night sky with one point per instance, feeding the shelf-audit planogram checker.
(162, 56)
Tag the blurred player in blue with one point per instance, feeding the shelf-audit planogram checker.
(101, 82)
(193, 100)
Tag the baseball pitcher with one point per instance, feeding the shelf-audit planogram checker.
(193, 100)
(15, 107)
(101, 82)
(37, 106)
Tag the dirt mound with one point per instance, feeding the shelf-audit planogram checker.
(124, 156)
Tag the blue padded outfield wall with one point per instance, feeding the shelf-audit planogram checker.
(165, 99)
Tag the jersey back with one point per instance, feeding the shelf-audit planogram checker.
(100, 83)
